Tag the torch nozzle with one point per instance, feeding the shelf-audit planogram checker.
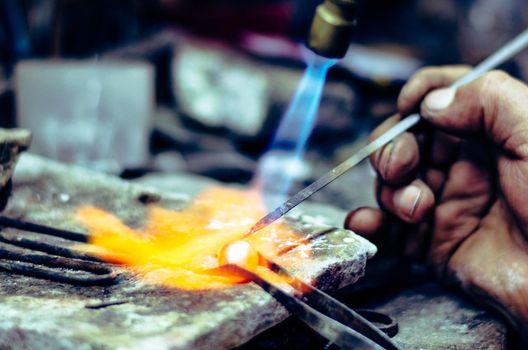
(332, 27)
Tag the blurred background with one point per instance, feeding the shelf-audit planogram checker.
(136, 87)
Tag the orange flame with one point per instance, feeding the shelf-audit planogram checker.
(180, 248)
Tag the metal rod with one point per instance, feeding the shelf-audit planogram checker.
(60, 264)
(58, 275)
(47, 230)
(45, 247)
(512, 48)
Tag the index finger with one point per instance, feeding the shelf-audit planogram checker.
(397, 161)
(426, 80)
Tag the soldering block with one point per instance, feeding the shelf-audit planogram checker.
(36, 311)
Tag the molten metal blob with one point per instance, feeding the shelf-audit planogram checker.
(239, 253)
(183, 249)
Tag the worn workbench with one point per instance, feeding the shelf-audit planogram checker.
(429, 315)
(38, 314)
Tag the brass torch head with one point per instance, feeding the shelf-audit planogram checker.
(332, 27)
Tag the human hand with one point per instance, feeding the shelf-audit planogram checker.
(454, 193)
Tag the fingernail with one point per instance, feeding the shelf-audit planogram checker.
(407, 199)
(440, 99)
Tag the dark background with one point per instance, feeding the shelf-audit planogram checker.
(426, 32)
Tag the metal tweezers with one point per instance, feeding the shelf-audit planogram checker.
(327, 316)
(330, 318)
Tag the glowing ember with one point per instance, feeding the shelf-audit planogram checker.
(184, 248)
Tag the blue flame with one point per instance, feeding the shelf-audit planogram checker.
(282, 164)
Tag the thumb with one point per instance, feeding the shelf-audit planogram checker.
(494, 106)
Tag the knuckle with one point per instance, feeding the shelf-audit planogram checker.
(443, 71)
(490, 91)
(405, 102)
(498, 75)
(517, 142)
(491, 81)
(409, 95)
(459, 69)
(446, 216)
(423, 73)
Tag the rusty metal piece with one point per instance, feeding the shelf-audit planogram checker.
(51, 231)
(35, 258)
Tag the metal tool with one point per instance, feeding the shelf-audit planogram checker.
(324, 314)
(42, 252)
(509, 50)
(332, 27)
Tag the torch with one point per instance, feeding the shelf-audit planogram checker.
(332, 27)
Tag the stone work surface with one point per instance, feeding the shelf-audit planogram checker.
(430, 317)
(38, 314)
